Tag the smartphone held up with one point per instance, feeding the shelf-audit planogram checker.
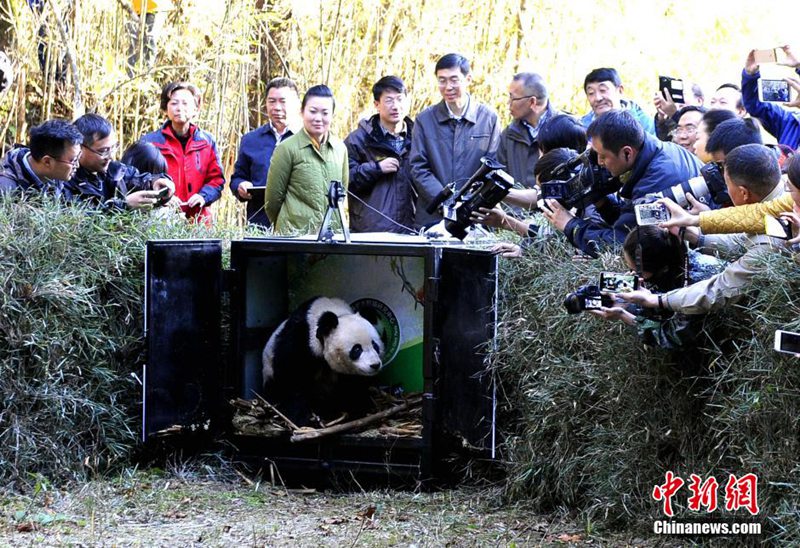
(651, 214)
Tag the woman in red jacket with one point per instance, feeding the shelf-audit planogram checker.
(191, 153)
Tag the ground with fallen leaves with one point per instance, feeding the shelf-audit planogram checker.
(152, 508)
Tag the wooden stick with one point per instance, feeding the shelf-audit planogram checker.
(353, 425)
(291, 425)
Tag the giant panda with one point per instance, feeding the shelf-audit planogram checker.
(318, 361)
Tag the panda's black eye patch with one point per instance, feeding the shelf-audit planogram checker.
(376, 347)
(356, 352)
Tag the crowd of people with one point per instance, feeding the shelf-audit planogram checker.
(704, 160)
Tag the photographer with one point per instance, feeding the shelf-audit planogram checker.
(542, 172)
(745, 218)
(643, 165)
(781, 123)
(752, 175)
(663, 263)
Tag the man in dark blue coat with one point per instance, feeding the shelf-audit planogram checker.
(255, 151)
(44, 166)
(643, 165)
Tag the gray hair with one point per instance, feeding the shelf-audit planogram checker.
(532, 84)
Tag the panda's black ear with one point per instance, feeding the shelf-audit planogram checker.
(369, 314)
(326, 324)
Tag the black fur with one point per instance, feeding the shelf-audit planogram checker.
(304, 384)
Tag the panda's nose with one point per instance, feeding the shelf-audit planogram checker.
(375, 366)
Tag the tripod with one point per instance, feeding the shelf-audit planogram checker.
(336, 195)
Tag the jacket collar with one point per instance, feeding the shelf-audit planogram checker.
(470, 115)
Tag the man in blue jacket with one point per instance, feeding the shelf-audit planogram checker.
(604, 90)
(256, 148)
(641, 162)
(782, 124)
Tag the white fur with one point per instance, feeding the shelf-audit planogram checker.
(352, 329)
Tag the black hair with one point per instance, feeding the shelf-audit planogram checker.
(145, 157)
(715, 117)
(739, 101)
(734, 133)
(543, 170)
(280, 83)
(172, 87)
(52, 137)
(754, 167)
(318, 91)
(388, 83)
(655, 250)
(93, 127)
(562, 131)
(602, 75)
(792, 167)
(690, 108)
(452, 60)
(532, 84)
(617, 129)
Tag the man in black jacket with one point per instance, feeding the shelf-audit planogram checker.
(380, 178)
(109, 184)
(49, 160)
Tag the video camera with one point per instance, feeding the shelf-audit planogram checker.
(487, 186)
(580, 182)
(708, 188)
(593, 297)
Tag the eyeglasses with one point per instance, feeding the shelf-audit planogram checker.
(511, 98)
(688, 130)
(73, 163)
(105, 152)
(454, 81)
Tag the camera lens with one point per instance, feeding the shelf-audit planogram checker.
(574, 303)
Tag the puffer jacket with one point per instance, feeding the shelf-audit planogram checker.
(392, 194)
(747, 218)
(195, 170)
(296, 197)
(16, 175)
(657, 167)
(108, 190)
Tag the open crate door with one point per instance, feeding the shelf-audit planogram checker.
(465, 318)
(182, 378)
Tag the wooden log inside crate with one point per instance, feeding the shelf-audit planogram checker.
(350, 426)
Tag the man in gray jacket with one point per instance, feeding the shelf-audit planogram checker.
(752, 175)
(530, 108)
(450, 137)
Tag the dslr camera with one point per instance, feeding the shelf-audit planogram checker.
(586, 297)
(708, 188)
(580, 182)
(591, 297)
(487, 186)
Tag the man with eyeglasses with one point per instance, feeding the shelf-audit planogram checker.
(530, 108)
(108, 184)
(450, 137)
(49, 160)
(685, 133)
(378, 151)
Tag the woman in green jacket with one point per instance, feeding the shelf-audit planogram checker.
(303, 167)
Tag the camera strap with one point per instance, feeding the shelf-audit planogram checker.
(685, 247)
